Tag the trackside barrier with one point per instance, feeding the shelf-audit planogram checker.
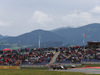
(76, 64)
(32, 66)
(68, 64)
(9, 67)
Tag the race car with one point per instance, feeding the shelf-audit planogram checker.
(59, 67)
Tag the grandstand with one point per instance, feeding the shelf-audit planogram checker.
(94, 44)
(27, 56)
(78, 55)
(44, 56)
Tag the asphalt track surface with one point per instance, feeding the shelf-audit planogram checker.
(90, 70)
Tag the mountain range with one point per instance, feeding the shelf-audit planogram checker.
(54, 38)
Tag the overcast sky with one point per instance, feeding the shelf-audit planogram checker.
(21, 16)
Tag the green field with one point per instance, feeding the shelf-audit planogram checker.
(36, 72)
(89, 65)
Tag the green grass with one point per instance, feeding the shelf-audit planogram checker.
(35, 72)
(14, 48)
(90, 65)
(18, 47)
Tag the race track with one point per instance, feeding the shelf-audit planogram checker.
(91, 70)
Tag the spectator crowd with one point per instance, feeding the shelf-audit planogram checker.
(78, 54)
(27, 56)
(43, 56)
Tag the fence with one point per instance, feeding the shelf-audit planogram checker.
(32, 66)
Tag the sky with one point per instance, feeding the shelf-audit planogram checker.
(22, 16)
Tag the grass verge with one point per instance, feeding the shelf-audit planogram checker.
(35, 72)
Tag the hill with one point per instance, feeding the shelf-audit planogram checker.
(54, 38)
(32, 39)
(74, 36)
(1, 37)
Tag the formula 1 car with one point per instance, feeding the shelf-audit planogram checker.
(59, 67)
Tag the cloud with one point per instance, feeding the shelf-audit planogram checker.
(75, 18)
(40, 18)
(80, 18)
(96, 10)
(2, 23)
